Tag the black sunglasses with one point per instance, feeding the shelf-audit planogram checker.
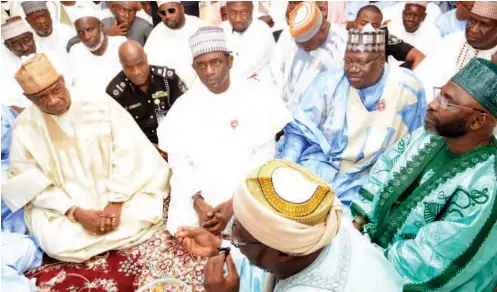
(162, 13)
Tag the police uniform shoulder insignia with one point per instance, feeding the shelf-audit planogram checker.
(159, 71)
(117, 86)
(182, 86)
(393, 40)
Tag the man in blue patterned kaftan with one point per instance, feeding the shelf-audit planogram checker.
(431, 200)
(347, 118)
(19, 251)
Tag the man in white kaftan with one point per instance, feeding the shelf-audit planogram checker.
(94, 61)
(249, 40)
(168, 45)
(414, 29)
(219, 124)
(19, 43)
(50, 35)
(288, 221)
(90, 179)
(317, 46)
(456, 50)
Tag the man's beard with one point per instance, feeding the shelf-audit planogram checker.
(452, 129)
(100, 43)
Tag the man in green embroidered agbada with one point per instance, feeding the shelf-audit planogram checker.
(431, 200)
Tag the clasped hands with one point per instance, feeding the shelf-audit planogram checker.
(214, 219)
(100, 222)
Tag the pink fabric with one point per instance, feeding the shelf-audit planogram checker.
(337, 12)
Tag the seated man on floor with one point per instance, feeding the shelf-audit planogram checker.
(220, 123)
(302, 241)
(20, 252)
(431, 200)
(348, 117)
(90, 179)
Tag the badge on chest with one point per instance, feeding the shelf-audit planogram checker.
(159, 94)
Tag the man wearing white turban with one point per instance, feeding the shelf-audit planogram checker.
(302, 242)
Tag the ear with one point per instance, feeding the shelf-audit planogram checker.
(63, 79)
(230, 61)
(480, 121)
(382, 59)
(102, 27)
(424, 16)
(7, 46)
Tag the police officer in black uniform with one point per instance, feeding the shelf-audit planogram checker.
(147, 103)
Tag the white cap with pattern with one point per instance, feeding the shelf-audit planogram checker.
(208, 39)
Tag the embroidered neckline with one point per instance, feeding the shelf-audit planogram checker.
(383, 233)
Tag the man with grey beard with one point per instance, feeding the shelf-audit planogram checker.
(95, 60)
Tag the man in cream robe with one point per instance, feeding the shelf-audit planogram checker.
(288, 221)
(168, 45)
(250, 40)
(74, 162)
(208, 131)
(455, 51)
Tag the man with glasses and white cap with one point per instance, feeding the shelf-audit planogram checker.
(349, 116)
(219, 124)
(431, 200)
(168, 45)
(289, 223)
(19, 44)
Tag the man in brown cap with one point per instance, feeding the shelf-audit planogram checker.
(86, 170)
(457, 49)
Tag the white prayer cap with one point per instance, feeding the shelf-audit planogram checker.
(487, 9)
(420, 3)
(13, 27)
(86, 11)
(208, 39)
(299, 209)
(159, 3)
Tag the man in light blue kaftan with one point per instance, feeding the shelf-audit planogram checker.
(19, 251)
(347, 118)
(431, 200)
(454, 20)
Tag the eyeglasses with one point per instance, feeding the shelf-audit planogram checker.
(359, 64)
(444, 103)
(17, 45)
(162, 13)
(237, 243)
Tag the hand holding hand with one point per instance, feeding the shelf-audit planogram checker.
(110, 217)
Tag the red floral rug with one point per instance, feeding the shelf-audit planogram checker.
(125, 270)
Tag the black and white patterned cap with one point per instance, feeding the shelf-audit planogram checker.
(208, 39)
(367, 39)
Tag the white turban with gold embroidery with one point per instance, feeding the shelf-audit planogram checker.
(288, 208)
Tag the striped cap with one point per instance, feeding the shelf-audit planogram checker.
(208, 39)
(368, 40)
(487, 9)
(305, 21)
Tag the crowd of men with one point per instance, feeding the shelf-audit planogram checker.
(336, 146)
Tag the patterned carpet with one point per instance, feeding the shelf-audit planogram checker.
(124, 270)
